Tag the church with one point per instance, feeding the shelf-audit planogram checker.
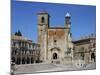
(55, 42)
(55, 45)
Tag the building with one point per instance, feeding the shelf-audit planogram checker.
(55, 45)
(55, 42)
(23, 51)
(85, 49)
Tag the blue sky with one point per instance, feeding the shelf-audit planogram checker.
(24, 18)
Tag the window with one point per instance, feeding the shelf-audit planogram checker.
(14, 43)
(19, 44)
(82, 49)
(82, 56)
(42, 19)
(94, 45)
(55, 41)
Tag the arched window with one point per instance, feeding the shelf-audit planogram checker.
(42, 19)
(82, 49)
(55, 41)
(82, 56)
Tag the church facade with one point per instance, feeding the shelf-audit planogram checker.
(55, 42)
(55, 45)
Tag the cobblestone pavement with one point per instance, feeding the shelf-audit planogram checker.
(43, 67)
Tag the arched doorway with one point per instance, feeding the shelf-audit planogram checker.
(23, 60)
(32, 60)
(28, 60)
(55, 56)
(18, 60)
(93, 57)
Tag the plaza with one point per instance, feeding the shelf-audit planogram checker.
(45, 67)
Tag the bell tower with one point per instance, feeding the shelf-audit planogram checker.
(43, 18)
(69, 44)
(67, 20)
(43, 24)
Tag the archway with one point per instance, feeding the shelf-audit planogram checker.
(28, 60)
(32, 60)
(23, 60)
(93, 57)
(18, 61)
(55, 56)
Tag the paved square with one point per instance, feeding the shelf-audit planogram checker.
(43, 67)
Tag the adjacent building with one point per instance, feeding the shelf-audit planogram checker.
(24, 51)
(85, 49)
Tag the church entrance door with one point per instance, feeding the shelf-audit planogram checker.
(55, 58)
(54, 55)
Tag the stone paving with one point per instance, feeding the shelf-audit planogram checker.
(44, 67)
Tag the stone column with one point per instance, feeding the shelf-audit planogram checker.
(30, 60)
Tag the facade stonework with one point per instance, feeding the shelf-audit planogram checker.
(55, 45)
(23, 51)
(55, 42)
(85, 49)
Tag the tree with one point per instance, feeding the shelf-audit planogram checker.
(18, 33)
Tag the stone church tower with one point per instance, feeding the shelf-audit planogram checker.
(55, 42)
